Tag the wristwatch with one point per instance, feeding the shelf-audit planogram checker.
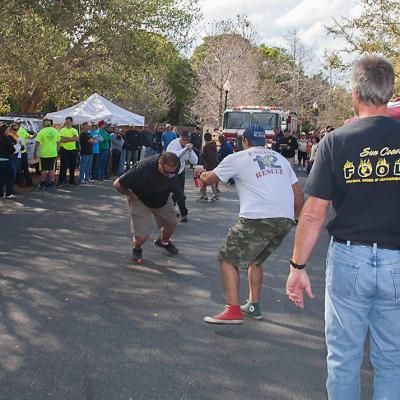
(297, 266)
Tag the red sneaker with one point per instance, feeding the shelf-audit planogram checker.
(231, 315)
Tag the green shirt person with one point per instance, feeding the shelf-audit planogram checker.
(69, 137)
(48, 138)
(23, 134)
(105, 143)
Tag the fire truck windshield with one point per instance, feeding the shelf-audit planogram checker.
(242, 120)
(237, 120)
(267, 120)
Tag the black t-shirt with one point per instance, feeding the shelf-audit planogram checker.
(291, 145)
(358, 167)
(132, 140)
(86, 148)
(6, 146)
(152, 188)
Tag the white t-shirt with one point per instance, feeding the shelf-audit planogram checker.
(183, 154)
(263, 181)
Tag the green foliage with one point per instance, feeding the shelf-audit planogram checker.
(66, 52)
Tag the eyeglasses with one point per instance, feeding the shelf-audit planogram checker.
(170, 174)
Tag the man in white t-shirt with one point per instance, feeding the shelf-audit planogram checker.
(184, 150)
(270, 201)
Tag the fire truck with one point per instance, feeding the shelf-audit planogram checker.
(237, 119)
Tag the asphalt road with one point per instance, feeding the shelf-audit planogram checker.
(79, 321)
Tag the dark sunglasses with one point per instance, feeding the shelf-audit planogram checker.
(168, 173)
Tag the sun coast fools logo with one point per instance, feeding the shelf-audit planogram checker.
(372, 169)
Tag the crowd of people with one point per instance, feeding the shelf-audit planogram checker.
(94, 152)
(299, 150)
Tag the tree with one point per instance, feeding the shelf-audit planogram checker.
(67, 52)
(375, 30)
(229, 54)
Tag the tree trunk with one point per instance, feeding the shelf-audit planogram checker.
(31, 101)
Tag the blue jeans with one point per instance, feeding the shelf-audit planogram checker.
(102, 164)
(362, 293)
(84, 168)
(8, 173)
(122, 160)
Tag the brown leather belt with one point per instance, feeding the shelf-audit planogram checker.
(385, 246)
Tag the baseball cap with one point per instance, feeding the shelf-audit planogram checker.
(302, 134)
(255, 134)
(18, 120)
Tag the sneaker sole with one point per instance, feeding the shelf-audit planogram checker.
(211, 320)
(257, 317)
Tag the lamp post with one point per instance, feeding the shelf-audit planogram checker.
(226, 88)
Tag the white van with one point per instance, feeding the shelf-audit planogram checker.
(30, 124)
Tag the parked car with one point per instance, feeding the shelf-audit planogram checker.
(30, 124)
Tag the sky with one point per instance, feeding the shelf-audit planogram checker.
(274, 18)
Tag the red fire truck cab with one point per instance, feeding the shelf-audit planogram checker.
(237, 119)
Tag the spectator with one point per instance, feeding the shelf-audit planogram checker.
(132, 138)
(68, 152)
(167, 137)
(117, 143)
(24, 170)
(196, 140)
(313, 154)
(86, 153)
(48, 137)
(97, 138)
(156, 146)
(145, 142)
(7, 170)
(356, 173)
(278, 135)
(210, 162)
(104, 151)
(302, 152)
(224, 151)
(288, 146)
(16, 157)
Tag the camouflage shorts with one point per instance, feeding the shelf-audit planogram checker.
(251, 241)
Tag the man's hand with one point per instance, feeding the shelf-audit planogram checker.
(297, 283)
(189, 146)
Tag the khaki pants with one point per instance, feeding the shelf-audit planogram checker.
(141, 216)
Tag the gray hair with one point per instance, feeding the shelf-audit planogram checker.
(373, 79)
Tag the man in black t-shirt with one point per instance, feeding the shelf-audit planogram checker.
(357, 170)
(287, 146)
(148, 186)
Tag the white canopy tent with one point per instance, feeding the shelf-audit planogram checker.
(97, 108)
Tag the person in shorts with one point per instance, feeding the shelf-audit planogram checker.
(270, 200)
(148, 186)
(48, 137)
